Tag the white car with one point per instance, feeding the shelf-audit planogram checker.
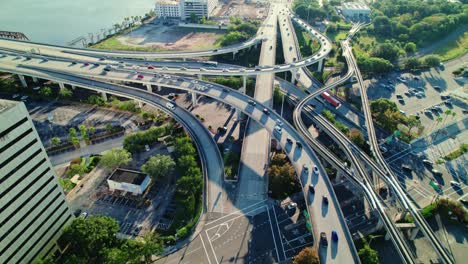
(316, 171)
(456, 184)
(292, 206)
(147, 148)
(278, 129)
(428, 162)
(170, 105)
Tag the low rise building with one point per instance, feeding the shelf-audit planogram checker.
(200, 8)
(131, 181)
(355, 10)
(168, 8)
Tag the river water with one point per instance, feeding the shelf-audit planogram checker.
(61, 21)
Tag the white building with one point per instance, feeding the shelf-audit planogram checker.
(183, 9)
(33, 210)
(355, 10)
(167, 8)
(130, 181)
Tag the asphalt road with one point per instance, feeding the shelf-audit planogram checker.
(253, 182)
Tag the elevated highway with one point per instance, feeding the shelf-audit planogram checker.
(324, 218)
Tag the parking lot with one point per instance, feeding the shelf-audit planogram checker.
(428, 95)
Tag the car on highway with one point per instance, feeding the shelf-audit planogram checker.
(252, 102)
(436, 172)
(226, 90)
(316, 169)
(140, 76)
(323, 239)
(24, 98)
(147, 148)
(456, 184)
(86, 64)
(150, 67)
(311, 188)
(84, 215)
(325, 199)
(334, 236)
(266, 111)
(289, 140)
(299, 144)
(170, 105)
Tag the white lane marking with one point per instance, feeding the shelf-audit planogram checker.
(204, 248)
(273, 234)
(279, 233)
(212, 250)
(236, 212)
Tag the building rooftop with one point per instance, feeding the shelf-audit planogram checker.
(7, 104)
(355, 6)
(167, 2)
(128, 176)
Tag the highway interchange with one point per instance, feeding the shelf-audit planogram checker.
(324, 218)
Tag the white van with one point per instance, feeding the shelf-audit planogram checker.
(170, 106)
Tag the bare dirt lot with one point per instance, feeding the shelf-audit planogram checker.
(162, 37)
(241, 8)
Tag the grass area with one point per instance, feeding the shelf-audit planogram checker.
(308, 45)
(457, 153)
(113, 43)
(454, 49)
(337, 36)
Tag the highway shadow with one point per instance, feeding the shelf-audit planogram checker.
(334, 249)
(324, 209)
(323, 251)
(297, 153)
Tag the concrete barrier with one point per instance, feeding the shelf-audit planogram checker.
(203, 26)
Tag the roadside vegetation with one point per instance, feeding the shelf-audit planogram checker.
(402, 27)
(388, 116)
(307, 255)
(94, 240)
(366, 254)
(231, 164)
(282, 177)
(457, 153)
(238, 31)
(453, 50)
(307, 44)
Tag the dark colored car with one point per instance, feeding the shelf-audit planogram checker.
(323, 239)
(334, 236)
(325, 199)
(299, 144)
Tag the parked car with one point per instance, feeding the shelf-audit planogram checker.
(311, 188)
(334, 236)
(325, 199)
(456, 184)
(292, 206)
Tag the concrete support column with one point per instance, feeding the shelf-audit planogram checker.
(244, 84)
(104, 96)
(239, 114)
(293, 76)
(200, 76)
(34, 79)
(379, 224)
(140, 104)
(61, 85)
(184, 59)
(158, 87)
(320, 65)
(194, 98)
(234, 54)
(149, 88)
(414, 233)
(73, 87)
(23, 81)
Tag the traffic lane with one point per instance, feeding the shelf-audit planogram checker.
(215, 170)
(298, 156)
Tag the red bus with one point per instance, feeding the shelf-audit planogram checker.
(331, 100)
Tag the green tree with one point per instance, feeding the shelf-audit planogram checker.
(277, 95)
(46, 91)
(412, 122)
(282, 180)
(74, 169)
(183, 146)
(116, 157)
(193, 18)
(150, 244)
(83, 132)
(410, 47)
(96, 100)
(55, 141)
(185, 162)
(356, 137)
(307, 255)
(158, 166)
(413, 64)
(92, 130)
(432, 61)
(386, 51)
(368, 255)
(65, 93)
(89, 238)
(279, 159)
